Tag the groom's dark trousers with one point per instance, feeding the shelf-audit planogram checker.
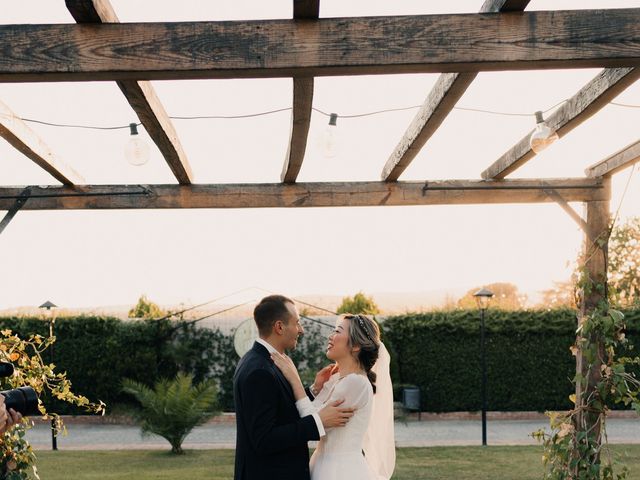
(271, 439)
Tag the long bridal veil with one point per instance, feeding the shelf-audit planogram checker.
(379, 440)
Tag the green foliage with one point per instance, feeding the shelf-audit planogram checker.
(26, 354)
(562, 295)
(577, 447)
(506, 297)
(529, 362)
(624, 263)
(359, 304)
(99, 352)
(206, 353)
(173, 407)
(145, 308)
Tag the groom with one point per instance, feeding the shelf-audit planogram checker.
(271, 439)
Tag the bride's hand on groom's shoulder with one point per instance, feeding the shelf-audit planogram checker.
(323, 376)
(286, 366)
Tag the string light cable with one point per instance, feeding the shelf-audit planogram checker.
(317, 110)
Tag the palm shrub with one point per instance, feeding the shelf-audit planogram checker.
(173, 407)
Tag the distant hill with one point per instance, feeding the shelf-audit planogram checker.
(226, 314)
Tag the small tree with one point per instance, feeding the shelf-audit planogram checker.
(173, 407)
(145, 308)
(562, 295)
(506, 297)
(624, 263)
(359, 303)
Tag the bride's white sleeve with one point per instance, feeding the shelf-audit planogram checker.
(352, 389)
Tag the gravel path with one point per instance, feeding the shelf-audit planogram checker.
(410, 434)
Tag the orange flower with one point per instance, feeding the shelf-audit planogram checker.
(14, 356)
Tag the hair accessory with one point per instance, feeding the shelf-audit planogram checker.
(361, 322)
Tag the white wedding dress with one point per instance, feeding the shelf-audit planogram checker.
(339, 453)
(364, 449)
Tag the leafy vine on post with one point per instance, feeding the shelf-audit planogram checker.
(17, 458)
(577, 447)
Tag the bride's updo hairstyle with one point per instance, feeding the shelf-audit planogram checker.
(365, 333)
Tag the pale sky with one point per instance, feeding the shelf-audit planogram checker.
(95, 258)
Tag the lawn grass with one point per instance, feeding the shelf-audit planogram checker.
(435, 463)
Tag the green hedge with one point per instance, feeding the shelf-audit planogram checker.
(529, 365)
(99, 352)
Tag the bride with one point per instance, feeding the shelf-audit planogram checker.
(364, 448)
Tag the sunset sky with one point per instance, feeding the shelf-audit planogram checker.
(95, 258)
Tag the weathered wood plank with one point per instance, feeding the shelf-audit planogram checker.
(504, 6)
(575, 216)
(441, 99)
(328, 46)
(92, 11)
(306, 9)
(29, 143)
(591, 98)
(300, 122)
(302, 103)
(444, 95)
(279, 195)
(144, 101)
(620, 160)
(140, 95)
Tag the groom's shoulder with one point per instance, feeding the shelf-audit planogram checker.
(252, 362)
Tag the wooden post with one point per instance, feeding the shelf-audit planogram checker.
(594, 291)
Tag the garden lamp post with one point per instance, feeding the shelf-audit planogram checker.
(482, 298)
(47, 306)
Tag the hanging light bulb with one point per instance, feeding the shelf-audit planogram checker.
(542, 136)
(136, 150)
(330, 138)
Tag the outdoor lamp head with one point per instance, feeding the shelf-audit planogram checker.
(482, 298)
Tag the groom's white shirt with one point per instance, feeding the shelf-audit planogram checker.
(316, 417)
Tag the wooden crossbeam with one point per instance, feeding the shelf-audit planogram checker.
(620, 160)
(328, 46)
(591, 98)
(280, 195)
(29, 143)
(140, 95)
(575, 216)
(444, 95)
(302, 103)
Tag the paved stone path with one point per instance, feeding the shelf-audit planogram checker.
(410, 434)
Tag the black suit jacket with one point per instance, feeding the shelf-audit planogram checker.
(271, 439)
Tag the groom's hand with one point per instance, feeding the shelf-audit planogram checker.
(334, 416)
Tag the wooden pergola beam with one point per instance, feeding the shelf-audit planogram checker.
(140, 95)
(26, 141)
(620, 160)
(302, 103)
(306, 9)
(444, 95)
(279, 195)
(328, 46)
(591, 98)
